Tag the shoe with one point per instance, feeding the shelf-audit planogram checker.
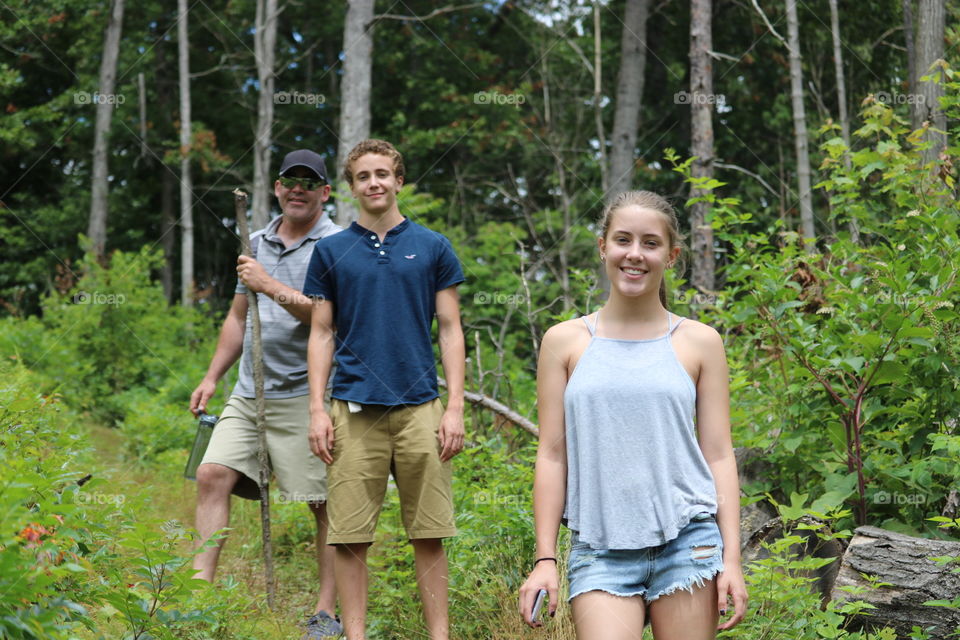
(322, 625)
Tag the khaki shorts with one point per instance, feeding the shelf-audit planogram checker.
(301, 476)
(370, 445)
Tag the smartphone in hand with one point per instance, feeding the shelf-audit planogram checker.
(537, 604)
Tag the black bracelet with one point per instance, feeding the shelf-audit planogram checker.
(538, 560)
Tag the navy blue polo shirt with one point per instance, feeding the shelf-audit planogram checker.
(384, 296)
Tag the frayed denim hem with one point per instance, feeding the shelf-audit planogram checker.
(612, 593)
(698, 580)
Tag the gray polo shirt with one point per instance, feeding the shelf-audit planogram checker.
(284, 337)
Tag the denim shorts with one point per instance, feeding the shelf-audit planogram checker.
(651, 572)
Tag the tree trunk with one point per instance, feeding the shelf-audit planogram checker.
(930, 36)
(598, 98)
(186, 182)
(842, 101)
(908, 36)
(105, 99)
(914, 578)
(800, 126)
(264, 44)
(168, 233)
(701, 133)
(626, 117)
(355, 92)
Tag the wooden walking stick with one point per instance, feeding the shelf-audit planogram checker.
(240, 206)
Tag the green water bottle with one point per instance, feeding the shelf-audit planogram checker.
(204, 433)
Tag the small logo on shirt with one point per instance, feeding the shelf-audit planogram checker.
(411, 256)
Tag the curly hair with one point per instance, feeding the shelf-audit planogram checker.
(379, 147)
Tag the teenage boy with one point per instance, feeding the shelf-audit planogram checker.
(282, 251)
(377, 287)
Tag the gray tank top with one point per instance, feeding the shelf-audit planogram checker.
(635, 472)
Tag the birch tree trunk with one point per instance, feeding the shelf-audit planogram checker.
(842, 100)
(186, 182)
(800, 125)
(626, 117)
(930, 36)
(908, 38)
(264, 49)
(355, 92)
(97, 225)
(168, 231)
(701, 133)
(598, 98)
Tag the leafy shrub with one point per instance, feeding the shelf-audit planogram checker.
(42, 539)
(847, 353)
(115, 332)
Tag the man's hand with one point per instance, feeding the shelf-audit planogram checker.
(252, 274)
(201, 395)
(450, 434)
(321, 436)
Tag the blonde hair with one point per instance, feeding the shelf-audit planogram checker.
(379, 147)
(653, 202)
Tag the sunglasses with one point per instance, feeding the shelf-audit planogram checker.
(308, 183)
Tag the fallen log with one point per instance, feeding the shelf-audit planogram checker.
(812, 546)
(904, 562)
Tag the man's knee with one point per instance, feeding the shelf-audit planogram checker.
(216, 478)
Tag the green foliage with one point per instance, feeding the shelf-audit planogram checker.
(783, 602)
(42, 537)
(114, 331)
(848, 354)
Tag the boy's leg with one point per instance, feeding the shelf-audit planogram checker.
(351, 572)
(357, 485)
(327, 597)
(426, 502)
(432, 579)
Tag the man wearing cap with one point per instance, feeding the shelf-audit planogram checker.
(282, 253)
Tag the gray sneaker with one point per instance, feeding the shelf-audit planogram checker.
(322, 625)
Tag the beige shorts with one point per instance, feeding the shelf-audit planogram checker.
(372, 444)
(301, 476)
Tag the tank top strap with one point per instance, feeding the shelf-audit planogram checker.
(591, 329)
(671, 325)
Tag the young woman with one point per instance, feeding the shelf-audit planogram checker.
(635, 453)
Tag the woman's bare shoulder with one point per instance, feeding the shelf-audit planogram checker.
(563, 336)
(698, 334)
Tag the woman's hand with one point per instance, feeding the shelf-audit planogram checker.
(731, 586)
(543, 576)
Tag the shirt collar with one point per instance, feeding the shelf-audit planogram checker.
(315, 233)
(356, 228)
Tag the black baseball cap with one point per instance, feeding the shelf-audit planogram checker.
(304, 158)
